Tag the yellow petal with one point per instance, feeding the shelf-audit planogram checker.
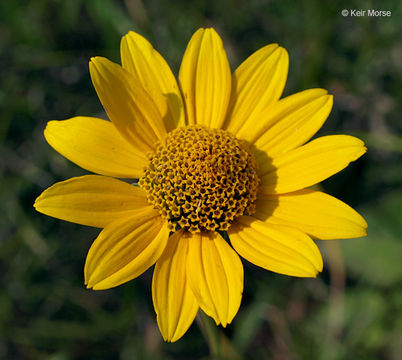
(256, 84)
(131, 109)
(275, 247)
(215, 274)
(313, 212)
(175, 304)
(95, 145)
(205, 79)
(150, 70)
(125, 249)
(309, 164)
(91, 200)
(291, 122)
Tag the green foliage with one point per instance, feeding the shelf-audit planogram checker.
(352, 311)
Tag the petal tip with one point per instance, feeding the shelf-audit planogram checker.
(210, 30)
(134, 36)
(282, 50)
(35, 205)
(50, 126)
(283, 55)
(315, 272)
(330, 99)
(87, 283)
(98, 60)
(38, 203)
(316, 275)
(363, 231)
(361, 149)
(130, 33)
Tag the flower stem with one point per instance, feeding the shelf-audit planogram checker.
(210, 333)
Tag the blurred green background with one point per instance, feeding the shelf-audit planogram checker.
(353, 310)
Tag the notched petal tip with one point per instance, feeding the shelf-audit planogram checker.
(94, 60)
(100, 64)
(97, 64)
(89, 282)
(362, 223)
(282, 58)
(315, 275)
(94, 63)
(199, 31)
(40, 202)
(133, 34)
(361, 149)
(36, 205)
(354, 142)
(210, 31)
(283, 53)
(329, 103)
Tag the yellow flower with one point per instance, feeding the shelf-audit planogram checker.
(218, 156)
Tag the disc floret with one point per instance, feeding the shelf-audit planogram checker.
(201, 179)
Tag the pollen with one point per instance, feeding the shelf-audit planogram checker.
(201, 179)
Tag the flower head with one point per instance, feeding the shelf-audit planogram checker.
(218, 156)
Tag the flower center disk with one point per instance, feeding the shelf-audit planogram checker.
(201, 179)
